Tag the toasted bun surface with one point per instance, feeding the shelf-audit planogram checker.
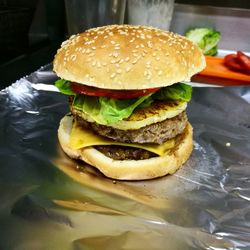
(128, 57)
(129, 169)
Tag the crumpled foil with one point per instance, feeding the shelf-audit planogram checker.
(49, 201)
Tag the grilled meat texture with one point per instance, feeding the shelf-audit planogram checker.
(155, 133)
(125, 153)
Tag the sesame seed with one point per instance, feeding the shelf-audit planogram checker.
(112, 42)
(159, 72)
(127, 59)
(88, 42)
(93, 63)
(128, 69)
(118, 71)
(73, 57)
(103, 46)
(149, 44)
(112, 75)
(158, 58)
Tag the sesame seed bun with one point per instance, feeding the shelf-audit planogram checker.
(129, 169)
(128, 57)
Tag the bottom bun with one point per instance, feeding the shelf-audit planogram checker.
(129, 169)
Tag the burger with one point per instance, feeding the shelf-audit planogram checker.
(127, 96)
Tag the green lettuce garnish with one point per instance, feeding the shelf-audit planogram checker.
(64, 87)
(105, 110)
(206, 38)
(178, 91)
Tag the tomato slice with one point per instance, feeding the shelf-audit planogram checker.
(231, 61)
(239, 62)
(244, 60)
(119, 94)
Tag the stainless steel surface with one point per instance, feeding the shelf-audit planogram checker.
(234, 24)
(84, 14)
(156, 13)
(51, 202)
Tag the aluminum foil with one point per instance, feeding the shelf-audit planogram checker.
(49, 201)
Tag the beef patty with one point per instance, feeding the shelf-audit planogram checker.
(129, 153)
(155, 133)
(125, 153)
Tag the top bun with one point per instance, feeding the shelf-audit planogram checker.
(128, 57)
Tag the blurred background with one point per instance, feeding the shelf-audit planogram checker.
(32, 30)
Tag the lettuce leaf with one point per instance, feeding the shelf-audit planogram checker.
(106, 110)
(178, 91)
(64, 87)
(206, 38)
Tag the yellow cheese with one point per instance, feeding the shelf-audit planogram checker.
(81, 138)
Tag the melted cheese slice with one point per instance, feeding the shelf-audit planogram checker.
(81, 138)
